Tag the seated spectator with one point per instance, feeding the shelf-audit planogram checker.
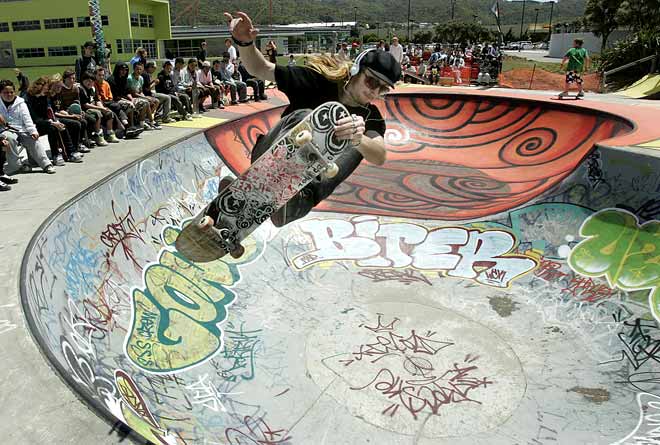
(149, 90)
(123, 111)
(190, 81)
(86, 63)
(72, 122)
(68, 99)
(96, 113)
(227, 75)
(201, 54)
(122, 94)
(166, 85)
(18, 132)
(140, 56)
(135, 85)
(258, 86)
(292, 60)
(208, 87)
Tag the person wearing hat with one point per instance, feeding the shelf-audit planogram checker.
(208, 87)
(355, 84)
(86, 63)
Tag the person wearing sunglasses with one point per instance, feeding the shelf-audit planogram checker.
(324, 78)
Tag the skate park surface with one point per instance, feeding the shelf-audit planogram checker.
(494, 282)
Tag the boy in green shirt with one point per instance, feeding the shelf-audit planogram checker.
(578, 61)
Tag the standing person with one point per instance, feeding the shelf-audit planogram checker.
(23, 83)
(233, 55)
(271, 52)
(201, 54)
(356, 85)
(381, 45)
(140, 56)
(149, 90)
(166, 85)
(396, 50)
(96, 112)
(86, 63)
(343, 52)
(14, 112)
(578, 61)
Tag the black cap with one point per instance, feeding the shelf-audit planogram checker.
(382, 65)
(89, 43)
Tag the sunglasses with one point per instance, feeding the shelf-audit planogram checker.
(375, 84)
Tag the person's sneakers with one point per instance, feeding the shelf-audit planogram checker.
(112, 138)
(263, 97)
(155, 125)
(233, 102)
(188, 117)
(83, 149)
(4, 187)
(59, 161)
(8, 179)
(564, 94)
(25, 168)
(49, 169)
(75, 158)
(145, 126)
(166, 120)
(100, 141)
(580, 94)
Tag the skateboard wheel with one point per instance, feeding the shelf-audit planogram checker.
(238, 252)
(303, 138)
(205, 223)
(331, 170)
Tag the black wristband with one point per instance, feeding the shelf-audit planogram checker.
(243, 44)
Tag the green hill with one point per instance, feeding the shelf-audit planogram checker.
(385, 11)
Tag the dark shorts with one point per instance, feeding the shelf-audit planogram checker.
(574, 77)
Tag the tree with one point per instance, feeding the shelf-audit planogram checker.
(601, 15)
(463, 33)
(423, 37)
(640, 14)
(508, 37)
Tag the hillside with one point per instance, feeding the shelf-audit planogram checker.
(292, 11)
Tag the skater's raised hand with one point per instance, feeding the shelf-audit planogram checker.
(350, 128)
(241, 27)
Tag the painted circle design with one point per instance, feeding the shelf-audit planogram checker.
(527, 147)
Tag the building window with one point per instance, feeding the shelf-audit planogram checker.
(4, 27)
(86, 22)
(128, 46)
(54, 51)
(58, 23)
(26, 25)
(26, 53)
(135, 19)
(150, 21)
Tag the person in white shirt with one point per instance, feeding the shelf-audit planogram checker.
(396, 50)
(343, 52)
(206, 80)
(233, 56)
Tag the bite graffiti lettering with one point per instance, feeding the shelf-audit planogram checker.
(484, 256)
(120, 232)
(256, 432)
(639, 346)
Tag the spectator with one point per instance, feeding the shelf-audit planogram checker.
(140, 56)
(72, 122)
(271, 52)
(23, 83)
(396, 50)
(121, 110)
(14, 114)
(457, 64)
(258, 85)
(292, 60)
(47, 123)
(97, 114)
(217, 80)
(5, 181)
(201, 54)
(135, 85)
(343, 52)
(231, 51)
(190, 81)
(208, 87)
(68, 99)
(121, 93)
(381, 45)
(149, 90)
(86, 62)
(166, 85)
(227, 72)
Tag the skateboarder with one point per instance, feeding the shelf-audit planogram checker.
(578, 62)
(324, 78)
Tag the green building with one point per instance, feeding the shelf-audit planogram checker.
(50, 33)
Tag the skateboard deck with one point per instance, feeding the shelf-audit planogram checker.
(569, 97)
(293, 161)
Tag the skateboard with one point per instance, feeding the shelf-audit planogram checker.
(297, 157)
(568, 97)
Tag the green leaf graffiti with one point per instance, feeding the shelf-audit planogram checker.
(617, 247)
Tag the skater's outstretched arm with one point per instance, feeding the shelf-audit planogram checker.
(244, 33)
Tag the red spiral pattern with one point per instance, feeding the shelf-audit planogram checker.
(453, 157)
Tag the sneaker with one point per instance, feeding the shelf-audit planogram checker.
(59, 161)
(124, 122)
(75, 158)
(83, 149)
(145, 126)
(25, 168)
(100, 141)
(580, 94)
(166, 120)
(233, 102)
(8, 179)
(112, 138)
(156, 126)
(4, 187)
(563, 95)
(188, 117)
(49, 169)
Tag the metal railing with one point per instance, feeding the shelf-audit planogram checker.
(653, 57)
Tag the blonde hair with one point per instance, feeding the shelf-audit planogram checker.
(37, 85)
(330, 67)
(55, 79)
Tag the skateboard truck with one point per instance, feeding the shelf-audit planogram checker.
(305, 138)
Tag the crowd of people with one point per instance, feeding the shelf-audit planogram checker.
(90, 106)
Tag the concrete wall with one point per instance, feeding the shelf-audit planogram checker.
(560, 43)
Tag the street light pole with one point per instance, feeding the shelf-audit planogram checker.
(552, 7)
(355, 15)
(536, 19)
(408, 20)
(453, 3)
(522, 21)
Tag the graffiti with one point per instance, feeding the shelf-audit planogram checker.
(119, 233)
(549, 270)
(238, 355)
(256, 432)
(586, 289)
(544, 432)
(176, 314)
(457, 251)
(627, 254)
(646, 212)
(647, 430)
(406, 276)
(639, 344)
(207, 395)
(595, 173)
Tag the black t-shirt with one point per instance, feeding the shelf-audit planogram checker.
(87, 96)
(165, 84)
(146, 86)
(307, 88)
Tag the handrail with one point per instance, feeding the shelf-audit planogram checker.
(629, 65)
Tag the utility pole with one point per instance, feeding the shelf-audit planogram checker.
(408, 20)
(355, 15)
(522, 21)
(270, 12)
(552, 7)
(536, 19)
(453, 3)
